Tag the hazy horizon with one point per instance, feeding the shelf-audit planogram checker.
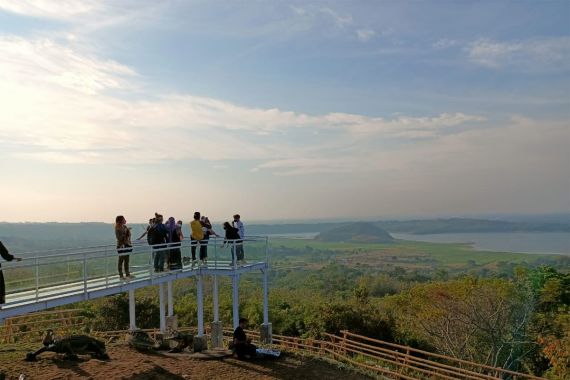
(296, 110)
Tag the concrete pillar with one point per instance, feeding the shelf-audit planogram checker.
(266, 333)
(170, 299)
(217, 335)
(132, 314)
(200, 305)
(235, 299)
(161, 308)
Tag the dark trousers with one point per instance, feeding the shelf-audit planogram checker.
(245, 349)
(2, 289)
(124, 261)
(193, 243)
(204, 248)
(175, 258)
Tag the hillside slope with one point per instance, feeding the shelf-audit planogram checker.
(360, 232)
(129, 364)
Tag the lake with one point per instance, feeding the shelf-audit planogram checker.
(524, 242)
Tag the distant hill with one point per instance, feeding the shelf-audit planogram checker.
(359, 232)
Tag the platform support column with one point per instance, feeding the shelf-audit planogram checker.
(132, 315)
(170, 297)
(200, 305)
(235, 299)
(217, 330)
(266, 328)
(161, 308)
(200, 343)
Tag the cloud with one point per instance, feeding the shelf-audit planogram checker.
(44, 61)
(60, 9)
(365, 34)
(445, 43)
(532, 53)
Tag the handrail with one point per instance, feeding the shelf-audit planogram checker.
(445, 357)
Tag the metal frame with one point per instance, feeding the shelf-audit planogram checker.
(39, 298)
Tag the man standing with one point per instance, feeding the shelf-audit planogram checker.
(8, 257)
(237, 223)
(196, 234)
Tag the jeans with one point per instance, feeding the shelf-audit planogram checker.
(237, 250)
(124, 260)
(159, 254)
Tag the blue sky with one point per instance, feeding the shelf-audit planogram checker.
(283, 110)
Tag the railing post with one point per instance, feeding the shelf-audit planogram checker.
(215, 252)
(234, 256)
(85, 272)
(106, 269)
(37, 277)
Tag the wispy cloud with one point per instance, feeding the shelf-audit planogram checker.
(61, 9)
(69, 124)
(551, 53)
(365, 34)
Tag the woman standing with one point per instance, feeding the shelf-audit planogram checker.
(174, 255)
(123, 234)
(8, 257)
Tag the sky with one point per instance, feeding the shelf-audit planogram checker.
(283, 110)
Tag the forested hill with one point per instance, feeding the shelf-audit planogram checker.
(359, 232)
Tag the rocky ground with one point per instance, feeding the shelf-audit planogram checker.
(129, 364)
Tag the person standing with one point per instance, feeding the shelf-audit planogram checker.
(196, 234)
(174, 254)
(232, 237)
(237, 223)
(123, 235)
(158, 236)
(207, 231)
(8, 257)
(146, 232)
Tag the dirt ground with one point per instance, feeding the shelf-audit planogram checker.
(126, 363)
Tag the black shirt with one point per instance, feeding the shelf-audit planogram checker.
(239, 335)
(4, 253)
(232, 233)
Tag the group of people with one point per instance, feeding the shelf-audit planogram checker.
(166, 238)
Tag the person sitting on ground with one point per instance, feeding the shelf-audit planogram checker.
(8, 257)
(241, 344)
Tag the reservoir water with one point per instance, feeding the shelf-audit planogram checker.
(524, 242)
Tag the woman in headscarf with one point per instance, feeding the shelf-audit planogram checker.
(124, 247)
(174, 238)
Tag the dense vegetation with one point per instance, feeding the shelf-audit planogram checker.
(504, 309)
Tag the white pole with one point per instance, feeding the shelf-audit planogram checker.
(216, 304)
(200, 306)
(235, 283)
(161, 308)
(170, 302)
(132, 315)
(265, 298)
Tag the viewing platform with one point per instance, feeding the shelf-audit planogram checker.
(60, 277)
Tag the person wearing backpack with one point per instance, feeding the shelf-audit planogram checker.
(158, 236)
